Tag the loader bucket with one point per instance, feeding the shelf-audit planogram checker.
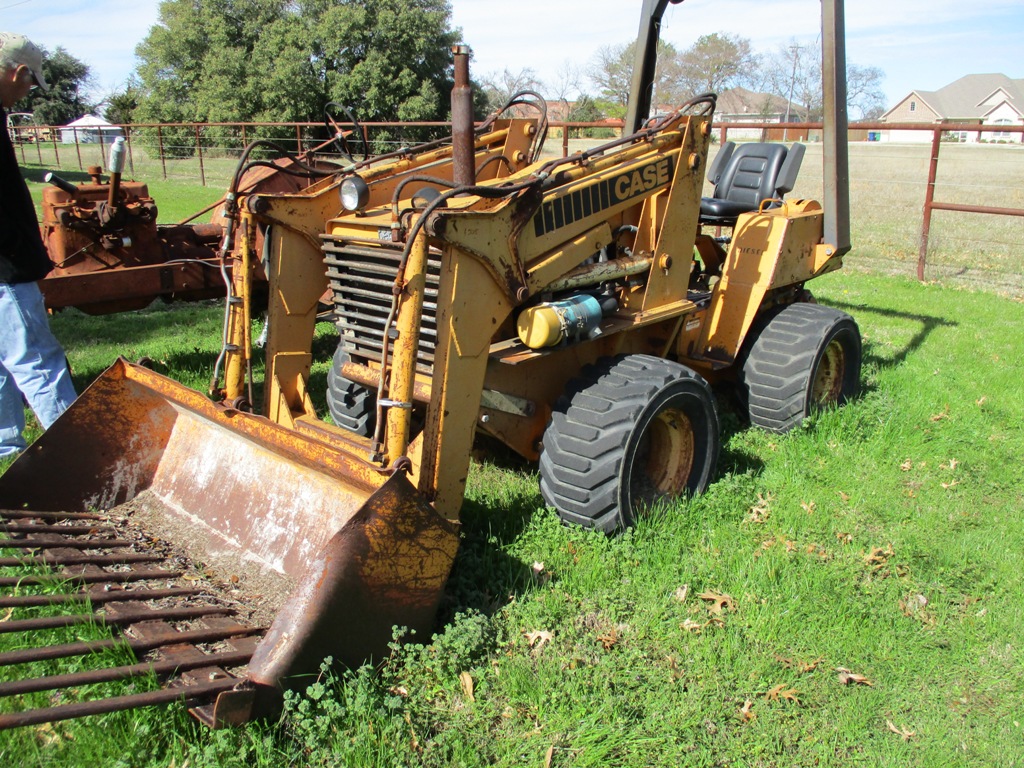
(332, 550)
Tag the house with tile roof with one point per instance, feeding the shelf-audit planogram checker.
(993, 99)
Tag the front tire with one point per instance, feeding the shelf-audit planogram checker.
(630, 432)
(806, 358)
(352, 406)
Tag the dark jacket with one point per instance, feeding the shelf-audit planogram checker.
(23, 257)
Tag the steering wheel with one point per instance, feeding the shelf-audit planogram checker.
(340, 134)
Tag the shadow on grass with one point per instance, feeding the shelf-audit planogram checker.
(38, 175)
(927, 324)
(485, 577)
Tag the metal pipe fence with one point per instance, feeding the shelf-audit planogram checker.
(961, 220)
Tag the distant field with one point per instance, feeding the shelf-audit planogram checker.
(887, 192)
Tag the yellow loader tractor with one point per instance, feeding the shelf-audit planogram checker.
(578, 310)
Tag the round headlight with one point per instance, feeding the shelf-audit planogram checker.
(354, 192)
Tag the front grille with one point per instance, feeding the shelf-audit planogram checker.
(361, 278)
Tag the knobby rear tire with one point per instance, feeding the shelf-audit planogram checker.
(806, 358)
(630, 431)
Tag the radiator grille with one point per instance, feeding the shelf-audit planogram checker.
(360, 278)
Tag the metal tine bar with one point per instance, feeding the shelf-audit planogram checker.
(96, 598)
(56, 622)
(64, 544)
(116, 704)
(160, 667)
(128, 557)
(137, 645)
(63, 530)
(117, 577)
(25, 513)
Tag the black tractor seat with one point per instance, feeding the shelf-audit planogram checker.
(746, 176)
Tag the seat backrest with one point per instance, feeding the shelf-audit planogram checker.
(751, 174)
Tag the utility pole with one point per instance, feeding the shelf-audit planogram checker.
(792, 84)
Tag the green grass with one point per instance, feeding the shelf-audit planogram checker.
(882, 539)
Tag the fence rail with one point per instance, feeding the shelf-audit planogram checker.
(897, 186)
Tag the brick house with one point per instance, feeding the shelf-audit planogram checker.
(976, 99)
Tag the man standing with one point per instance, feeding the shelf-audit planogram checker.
(32, 361)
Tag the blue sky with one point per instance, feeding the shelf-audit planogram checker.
(919, 44)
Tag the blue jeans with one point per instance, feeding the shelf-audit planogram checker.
(31, 364)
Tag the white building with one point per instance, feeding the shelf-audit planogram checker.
(974, 99)
(90, 130)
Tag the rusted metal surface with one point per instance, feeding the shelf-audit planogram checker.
(930, 203)
(111, 256)
(95, 598)
(170, 629)
(387, 567)
(929, 196)
(463, 160)
(345, 549)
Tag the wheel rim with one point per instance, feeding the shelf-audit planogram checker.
(665, 456)
(828, 379)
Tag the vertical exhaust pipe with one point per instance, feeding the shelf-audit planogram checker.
(462, 120)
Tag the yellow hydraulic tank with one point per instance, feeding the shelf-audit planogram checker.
(550, 323)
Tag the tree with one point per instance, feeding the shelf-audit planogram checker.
(500, 87)
(611, 70)
(120, 106)
(864, 91)
(715, 63)
(586, 110)
(68, 79)
(794, 72)
(282, 60)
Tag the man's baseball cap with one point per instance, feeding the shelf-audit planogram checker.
(18, 49)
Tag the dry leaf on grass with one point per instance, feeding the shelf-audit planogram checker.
(981, 401)
(540, 575)
(846, 677)
(809, 507)
(781, 692)
(745, 713)
(953, 464)
(466, 681)
(538, 640)
(682, 593)
(844, 496)
(760, 511)
(799, 666)
(940, 416)
(879, 556)
(907, 735)
(609, 640)
(691, 626)
(845, 538)
(48, 736)
(907, 465)
(719, 602)
(549, 756)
